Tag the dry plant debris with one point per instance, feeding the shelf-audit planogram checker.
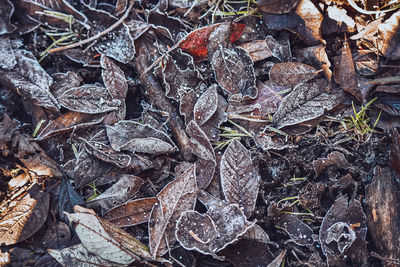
(199, 133)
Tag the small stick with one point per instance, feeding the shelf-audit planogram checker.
(94, 37)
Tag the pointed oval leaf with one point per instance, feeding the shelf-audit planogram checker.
(206, 105)
(113, 78)
(239, 177)
(291, 73)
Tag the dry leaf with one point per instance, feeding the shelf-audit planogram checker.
(113, 78)
(234, 72)
(291, 73)
(206, 105)
(135, 137)
(175, 198)
(107, 154)
(131, 213)
(7, 57)
(277, 6)
(307, 101)
(91, 99)
(258, 50)
(239, 177)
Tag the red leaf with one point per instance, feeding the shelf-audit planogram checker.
(196, 42)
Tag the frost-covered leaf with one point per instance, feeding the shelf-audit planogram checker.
(175, 198)
(345, 73)
(108, 154)
(258, 50)
(64, 81)
(29, 67)
(206, 105)
(213, 231)
(29, 91)
(113, 78)
(299, 232)
(179, 74)
(342, 233)
(307, 101)
(291, 73)
(125, 188)
(234, 72)
(23, 216)
(239, 177)
(91, 99)
(67, 122)
(131, 213)
(135, 137)
(316, 56)
(79, 256)
(67, 199)
(277, 6)
(7, 57)
(6, 11)
(106, 240)
(118, 45)
(280, 49)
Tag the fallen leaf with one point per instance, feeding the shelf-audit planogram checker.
(175, 198)
(135, 137)
(258, 50)
(78, 255)
(206, 105)
(307, 101)
(239, 177)
(113, 78)
(7, 57)
(316, 56)
(234, 72)
(6, 11)
(334, 159)
(67, 199)
(91, 99)
(132, 212)
(107, 154)
(23, 216)
(388, 37)
(291, 73)
(280, 49)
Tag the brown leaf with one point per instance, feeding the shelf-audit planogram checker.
(206, 105)
(342, 233)
(67, 122)
(277, 6)
(125, 188)
(383, 212)
(291, 73)
(214, 230)
(239, 177)
(91, 99)
(345, 73)
(335, 159)
(7, 57)
(131, 213)
(307, 101)
(310, 30)
(113, 78)
(107, 154)
(388, 33)
(280, 49)
(23, 216)
(135, 137)
(316, 56)
(234, 72)
(258, 50)
(64, 81)
(175, 198)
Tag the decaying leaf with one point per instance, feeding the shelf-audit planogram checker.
(175, 198)
(291, 73)
(234, 72)
(23, 216)
(113, 78)
(135, 137)
(206, 105)
(258, 50)
(125, 188)
(280, 49)
(106, 240)
(107, 154)
(277, 6)
(383, 212)
(131, 213)
(307, 101)
(316, 56)
(335, 159)
(388, 41)
(342, 233)
(211, 232)
(239, 177)
(345, 73)
(7, 57)
(6, 10)
(78, 255)
(299, 232)
(91, 99)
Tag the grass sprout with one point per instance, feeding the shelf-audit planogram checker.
(230, 134)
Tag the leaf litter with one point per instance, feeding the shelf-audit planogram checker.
(215, 133)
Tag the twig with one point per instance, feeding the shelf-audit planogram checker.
(94, 37)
